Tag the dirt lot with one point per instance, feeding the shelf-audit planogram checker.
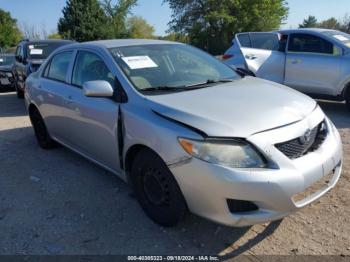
(58, 203)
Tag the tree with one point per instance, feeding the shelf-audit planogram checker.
(310, 22)
(138, 27)
(54, 36)
(83, 20)
(211, 24)
(117, 14)
(331, 23)
(9, 31)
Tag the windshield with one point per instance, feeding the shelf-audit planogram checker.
(6, 60)
(41, 50)
(170, 67)
(339, 36)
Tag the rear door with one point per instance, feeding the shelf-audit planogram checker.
(312, 64)
(263, 55)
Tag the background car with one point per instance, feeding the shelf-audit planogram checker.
(29, 56)
(185, 130)
(6, 72)
(313, 61)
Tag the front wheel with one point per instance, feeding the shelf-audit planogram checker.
(157, 189)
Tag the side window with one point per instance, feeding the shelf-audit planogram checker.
(266, 41)
(244, 40)
(58, 68)
(90, 67)
(305, 43)
(18, 51)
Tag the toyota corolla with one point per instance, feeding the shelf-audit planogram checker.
(185, 130)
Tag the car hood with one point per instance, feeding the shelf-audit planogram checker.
(238, 109)
(6, 68)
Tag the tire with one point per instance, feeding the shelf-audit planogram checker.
(347, 99)
(157, 190)
(19, 92)
(40, 130)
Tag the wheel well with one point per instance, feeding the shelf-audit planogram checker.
(130, 156)
(346, 91)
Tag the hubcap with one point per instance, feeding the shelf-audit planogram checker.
(155, 187)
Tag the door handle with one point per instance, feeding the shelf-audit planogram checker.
(251, 57)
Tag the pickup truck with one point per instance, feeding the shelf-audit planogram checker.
(313, 61)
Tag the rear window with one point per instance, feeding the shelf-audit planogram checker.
(42, 50)
(265, 41)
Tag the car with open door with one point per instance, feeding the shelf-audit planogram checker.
(185, 130)
(29, 56)
(312, 61)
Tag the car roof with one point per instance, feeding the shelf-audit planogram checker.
(306, 30)
(49, 41)
(124, 42)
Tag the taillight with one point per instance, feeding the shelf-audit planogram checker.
(227, 56)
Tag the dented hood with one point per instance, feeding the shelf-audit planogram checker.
(238, 109)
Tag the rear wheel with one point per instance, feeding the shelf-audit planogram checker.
(347, 99)
(157, 189)
(40, 130)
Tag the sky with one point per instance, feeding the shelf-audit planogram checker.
(47, 12)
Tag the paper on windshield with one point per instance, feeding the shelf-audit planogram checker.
(36, 51)
(341, 38)
(1, 60)
(139, 62)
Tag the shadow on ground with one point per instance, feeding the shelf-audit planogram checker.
(56, 202)
(10, 105)
(337, 112)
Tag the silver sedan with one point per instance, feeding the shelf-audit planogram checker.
(185, 130)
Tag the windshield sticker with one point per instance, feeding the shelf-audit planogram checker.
(36, 51)
(139, 62)
(1, 60)
(341, 38)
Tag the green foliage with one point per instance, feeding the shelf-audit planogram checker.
(211, 24)
(175, 37)
(330, 23)
(9, 32)
(116, 15)
(138, 27)
(310, 22)
(83, 20)
(54, 36)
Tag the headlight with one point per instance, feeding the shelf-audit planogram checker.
(232, 153)
(9, 74)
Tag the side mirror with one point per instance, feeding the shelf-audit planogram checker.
(98, 88)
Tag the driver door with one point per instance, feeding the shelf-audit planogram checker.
(263, 55)
(92, 122)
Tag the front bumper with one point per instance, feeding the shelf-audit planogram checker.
(207, 187)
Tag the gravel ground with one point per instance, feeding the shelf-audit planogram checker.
(56, 202)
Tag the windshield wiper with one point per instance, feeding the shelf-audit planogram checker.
(163, 88)
(209, 82)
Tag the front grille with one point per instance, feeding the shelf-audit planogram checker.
(305, 144)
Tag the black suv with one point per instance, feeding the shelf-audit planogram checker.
(29, 56)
